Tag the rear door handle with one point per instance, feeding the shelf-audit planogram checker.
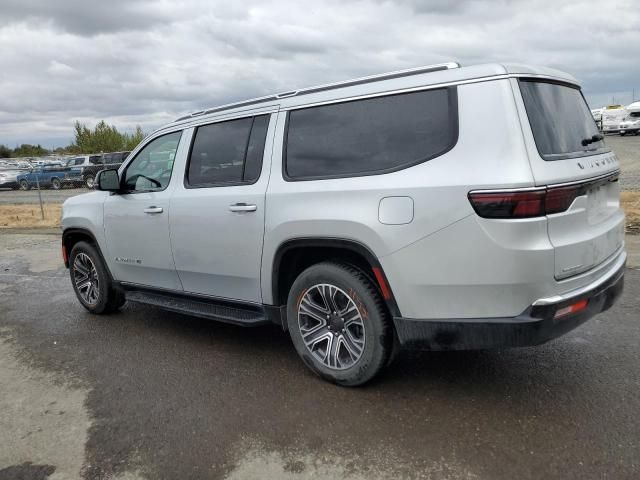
(153, 210)
(242, 207)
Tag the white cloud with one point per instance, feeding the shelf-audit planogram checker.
(148, 61)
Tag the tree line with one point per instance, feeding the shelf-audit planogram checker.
(102, 138)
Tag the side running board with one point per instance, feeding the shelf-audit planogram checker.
(203, 308)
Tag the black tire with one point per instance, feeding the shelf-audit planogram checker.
(622, 134)
(24, 185)
(376, 326)
(89, 181)
(109, 299)
(56, 184)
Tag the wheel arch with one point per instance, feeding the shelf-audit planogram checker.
(289, 262)
(71, 236)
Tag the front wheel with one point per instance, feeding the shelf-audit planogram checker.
(24, 185)
(622, 134)
(56, 184)
(339, 324)
(91, 280)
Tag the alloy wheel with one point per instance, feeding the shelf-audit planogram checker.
(331, 326)
(85, 277)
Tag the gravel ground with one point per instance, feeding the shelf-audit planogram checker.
(151, 394)
(627, 149)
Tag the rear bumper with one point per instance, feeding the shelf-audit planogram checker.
(534, 326)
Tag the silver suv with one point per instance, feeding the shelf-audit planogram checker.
(440, 208)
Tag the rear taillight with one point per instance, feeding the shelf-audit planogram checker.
(525, 203)
(560, 199)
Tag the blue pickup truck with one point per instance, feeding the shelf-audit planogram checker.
(47, 177)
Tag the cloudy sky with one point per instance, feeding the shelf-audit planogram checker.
(148, 61)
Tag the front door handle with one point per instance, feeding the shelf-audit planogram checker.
(153, 210)
(242, 207)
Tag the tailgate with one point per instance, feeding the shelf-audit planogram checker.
(590, 231)
(567, 155)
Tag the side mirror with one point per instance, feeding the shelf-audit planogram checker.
(108, 180)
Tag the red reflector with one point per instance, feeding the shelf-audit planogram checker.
(386, 293)
(509, 204)
(64, 254)
(573, 308)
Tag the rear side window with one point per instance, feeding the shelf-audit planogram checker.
(370, 136)
(560, 120)
(227, 152)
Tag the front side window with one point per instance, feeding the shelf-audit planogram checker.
(151, 169)
(227, 152)
(370, 136)
(560, 120)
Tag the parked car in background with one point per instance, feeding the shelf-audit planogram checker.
(9, 178)
(45, 177)
(368, 215)
(84, 168)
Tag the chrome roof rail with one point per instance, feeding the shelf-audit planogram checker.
(329, 86)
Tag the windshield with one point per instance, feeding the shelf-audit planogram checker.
(560, 119)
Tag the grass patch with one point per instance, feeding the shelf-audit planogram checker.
(29, 216)
(631, 203)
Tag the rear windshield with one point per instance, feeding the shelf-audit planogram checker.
(561, 121)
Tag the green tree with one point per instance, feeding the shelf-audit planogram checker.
(103, 138)
(83, 137)
(131, 141)
(27, 150)
(5, 152)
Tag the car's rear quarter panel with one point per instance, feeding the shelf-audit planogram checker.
(489, 141)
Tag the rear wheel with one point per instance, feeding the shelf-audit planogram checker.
(89, 181)
(91, 280)
(622, 134)
(24, 185)
(56, 184)
(338, 323)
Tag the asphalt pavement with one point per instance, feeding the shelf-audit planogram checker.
(150, 394)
